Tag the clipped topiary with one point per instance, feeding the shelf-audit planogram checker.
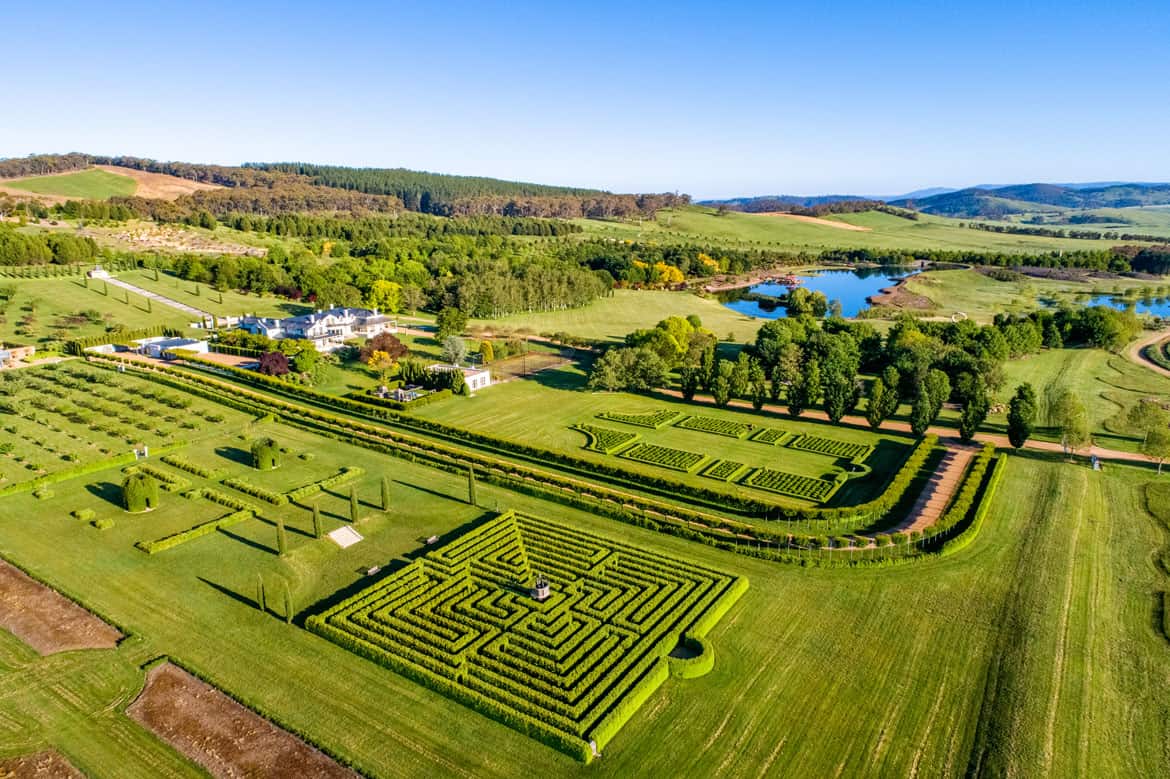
(265, 454)
(139, 492)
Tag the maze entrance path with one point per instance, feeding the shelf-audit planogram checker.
(568, 670)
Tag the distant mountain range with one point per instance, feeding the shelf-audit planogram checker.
(984, 200)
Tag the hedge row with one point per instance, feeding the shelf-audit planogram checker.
(669, 488)
(621, 713)
(256, 491)
(591, 497)
(235, 351)
(344, 476)
(959, 542)
(399, 405)
(203, 529)
(79, 345)
(169, 481)
(183, 464)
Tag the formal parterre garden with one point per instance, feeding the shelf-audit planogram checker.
(760, 474)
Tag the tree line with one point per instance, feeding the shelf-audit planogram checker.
(806, 361)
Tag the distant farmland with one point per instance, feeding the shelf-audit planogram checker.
(92, 184)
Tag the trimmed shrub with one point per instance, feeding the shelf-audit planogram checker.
(139, 492)
(105, 523)
(265, 454)
(85, 515)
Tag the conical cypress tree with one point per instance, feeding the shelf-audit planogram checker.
(353, 504)
(281, 538)
(288, 604)
(317, 520)
(385, 493)
(260, 593)
(471, 485)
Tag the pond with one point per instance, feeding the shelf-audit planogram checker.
(851, 287)
(1152, 305)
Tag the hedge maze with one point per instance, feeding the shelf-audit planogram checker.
(717, 426)
(604, 439)
(654, 419)
(570, 670)
(664, 456)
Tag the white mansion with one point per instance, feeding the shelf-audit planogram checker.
(328, 330)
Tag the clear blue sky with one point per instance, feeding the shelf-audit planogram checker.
(714, 99)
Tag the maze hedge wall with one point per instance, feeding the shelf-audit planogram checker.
(567, 671)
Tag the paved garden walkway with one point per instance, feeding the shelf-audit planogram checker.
(154, 296)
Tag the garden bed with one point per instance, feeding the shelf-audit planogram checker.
(46, 620)
(221, 735)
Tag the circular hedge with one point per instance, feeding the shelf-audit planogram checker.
(265, 454)
(139, 492)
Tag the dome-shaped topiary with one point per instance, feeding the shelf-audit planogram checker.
(139, 492)
(265, 454)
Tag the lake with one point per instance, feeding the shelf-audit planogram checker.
(851, 287)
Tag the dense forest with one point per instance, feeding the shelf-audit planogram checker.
(280, 188)
(446, 195)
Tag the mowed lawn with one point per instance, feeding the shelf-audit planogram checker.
(540, 410)
(92, 184)
(885, 231)
(205, 298)
(1108, 384)
(50, 309)
(1030, 653)
(611, 318)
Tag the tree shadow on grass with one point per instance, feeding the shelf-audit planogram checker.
(107, 491)
(288, 528)
(249, 542)
(427, 490)
(235, 454)
(229, 592)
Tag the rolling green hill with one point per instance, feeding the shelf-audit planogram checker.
(877, 231)
(92, 184)
(1021, 198)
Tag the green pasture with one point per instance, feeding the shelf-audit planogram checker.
(981, 297)
(611, 318)
(748, 231)
(42, 310)
(91, 184)
(1108, 384)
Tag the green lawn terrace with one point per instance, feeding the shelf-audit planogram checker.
(221, 303)
(558, 633)
(48, 311)
(544, 410)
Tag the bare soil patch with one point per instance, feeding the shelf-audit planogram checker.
(816, 220)
(219, 734)
(898, 296)
(158, 186)
(46, 620)
(40, 765)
